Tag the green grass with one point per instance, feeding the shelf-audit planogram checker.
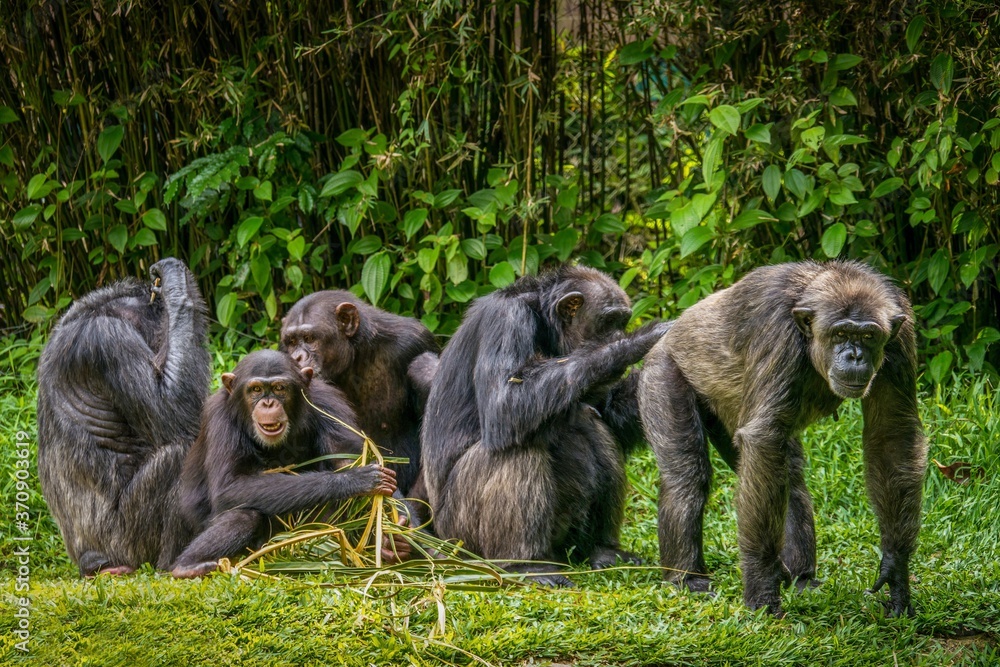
(621, 617)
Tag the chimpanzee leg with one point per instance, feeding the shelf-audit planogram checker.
(799, 552)
(675, 431)
(607, 508)
(227, 534)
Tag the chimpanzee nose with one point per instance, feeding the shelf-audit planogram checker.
(854, 354)
(299, 357)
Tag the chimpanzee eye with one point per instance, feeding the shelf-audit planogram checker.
(308, 338)
(867, 336)
(255, 389)
(278, 388)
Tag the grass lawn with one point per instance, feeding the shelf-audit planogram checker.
(623, 617)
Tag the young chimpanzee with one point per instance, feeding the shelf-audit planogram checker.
(258, 421)
(366, 351)
(749, 368)
(121, 384)
(519, 459)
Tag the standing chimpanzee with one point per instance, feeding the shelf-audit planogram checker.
(121, 384)
(750, 367)
(366, 351)
(519, 462)
(258, 421)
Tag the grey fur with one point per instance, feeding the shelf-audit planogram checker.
(121, 384)
(739, 368)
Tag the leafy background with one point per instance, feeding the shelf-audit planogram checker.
(423, 153)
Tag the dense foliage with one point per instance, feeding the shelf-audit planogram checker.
(423, 153)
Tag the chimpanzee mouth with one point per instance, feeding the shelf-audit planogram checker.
(272, 430)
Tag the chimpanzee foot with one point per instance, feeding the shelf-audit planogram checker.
(541, 574)
(603, 557)
(195, 571)
(116, 570)
(806, 583)
(696, 583)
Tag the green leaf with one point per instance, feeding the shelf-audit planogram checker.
(341, 182)
(695, 238)
(154, 219)
(833, 239)
(36, 186)
(260, 269)
(297, 247)
(759, 132)
(771, 181)
(636, 52)
(413, 221)
(697, 99)
(937, 270)
(726, 118)
(797, 183)
(502, 275)
(940, 366)
(841, 196)
(7, 156)
(446, 198)
(117, 237)
(968, 273)
(365, 245)
(226, 308)
(458, 268)
(462, 293)
(109, 141)
(474, 248)
(913, 32)
(843, 61)
(710, 157)
(812, 202)
(887, 186)
(843, 97)
(942, 72)
(750, 218)
(609, 224)
(263, 191)
(7, 115)
(813, 136)
(36, 314)
(248, 229)
(352, 138)
(375, 276)
(144, 237)
(26, 216)
(293, 274)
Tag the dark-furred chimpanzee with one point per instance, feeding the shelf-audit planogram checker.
(750, 367)
(520, 461)
(259, 421)
(121, 384)
(366, 351)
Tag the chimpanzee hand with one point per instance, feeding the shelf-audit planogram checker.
(377, 480)
(895, 572)
(170, 281)
(395, 548)
(648, 335)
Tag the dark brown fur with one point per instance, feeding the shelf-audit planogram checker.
(750, 367)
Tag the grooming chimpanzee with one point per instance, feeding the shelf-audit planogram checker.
(366, 351)
(750, 367)
(121, 384)
(519, 459)
(258, 421)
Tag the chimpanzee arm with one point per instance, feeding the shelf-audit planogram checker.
(282, 493)
(517, 392)
(620, 411)
(420, 373)
(895, 459)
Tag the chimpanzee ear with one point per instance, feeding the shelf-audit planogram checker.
(895, 323)
(803, 320)
(227, 381)
(568, 305)
(307, 374)
(348, 318)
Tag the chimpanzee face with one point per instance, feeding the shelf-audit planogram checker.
(592, 310)
(849, 351)
(321, 340)
(268, 389)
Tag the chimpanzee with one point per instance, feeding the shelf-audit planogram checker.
(120, 386)
(750, 367)
(366, 351)
(259, 421)
(519, 460)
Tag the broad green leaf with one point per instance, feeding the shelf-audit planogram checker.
(443, 199)
(887, 186)
(26, 216)
(263, 191)
(352, 138)
(458, 268)
(36, 314)
(843, 61)
(462, 293)
(697, 99)
(694, 239)
(843, 97)
(413, 221)
(145, 237)
(427, 258)
(474, 248)
(109, 141)
(375, 276)
(749, 104)
(759, 132)
(341, 182)
(7, 115)
(609, 224)
(968, 273)
(248, 229)
(937, 270)
(225, 309)
(940, 366)
(36, 186)
(813, 136)
(6, 156)
(365, 245)
(726, 118)
(771, 181)
(154, 219)
(636, 52)
(812, 202)
(710, 157)
(750, 218)
(942, 72)
(833, 239)
(797, 183)
(502, 275)
(841, 195)
(297, 247)
(260, 269)
(913, 32)
(293, 274)
(117, 237)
